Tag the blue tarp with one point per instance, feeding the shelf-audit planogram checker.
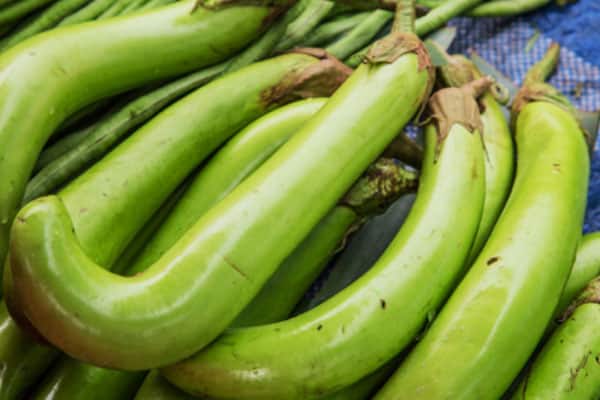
(504, 43)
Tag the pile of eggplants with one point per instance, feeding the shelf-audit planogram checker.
(218, 199)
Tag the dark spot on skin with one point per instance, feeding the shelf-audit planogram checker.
(574, 372)
(556, 167)
(319, 327)
(343, 328)
(597, 358)
(474, 173)
(492, 260)
(21, 220)
(383, 304)
(234, 267)
(83, 210)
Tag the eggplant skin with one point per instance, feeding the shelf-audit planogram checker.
(494, 320)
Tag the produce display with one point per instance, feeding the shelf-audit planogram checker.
(179, 182)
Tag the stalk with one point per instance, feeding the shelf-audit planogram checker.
(315, 12)
(423, 25)
(110, 130)
(113, 127)
(87, 13)
(542, 70)
(114, 10)
(437, 17)
(17, 10)
(353, 315)
(134, 6)
(48, 19)
(330, 30)
(200, 130)
(404, 20)
(362, 34)
(156, 4)
(63, 146)
(496, 8)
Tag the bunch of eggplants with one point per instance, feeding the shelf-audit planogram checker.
(189, 196)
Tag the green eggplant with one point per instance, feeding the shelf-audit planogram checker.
(323, 350)
(51, 76)
(498, 142)
(294, 188)
(70, 379)
(585, 268)
(568, 367)
(178, 139)
(493, 321)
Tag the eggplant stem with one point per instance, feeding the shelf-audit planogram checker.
(542, 70)
(437, 17)
(404, 20)
(479, 86)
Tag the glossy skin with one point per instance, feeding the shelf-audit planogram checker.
(568, 368)
(494, 319)
(155, 387)
(585, 268)
(232, 163)
(499, 169)
(282, 292)
(177, 140)
(323, 350)
(278, 297)
(22, 360)
(208, 276)
(241, 156)
(49, 77)
(199, 132)
(70, 379)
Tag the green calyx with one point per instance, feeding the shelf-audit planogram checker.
(384, 182)
(535, 87)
